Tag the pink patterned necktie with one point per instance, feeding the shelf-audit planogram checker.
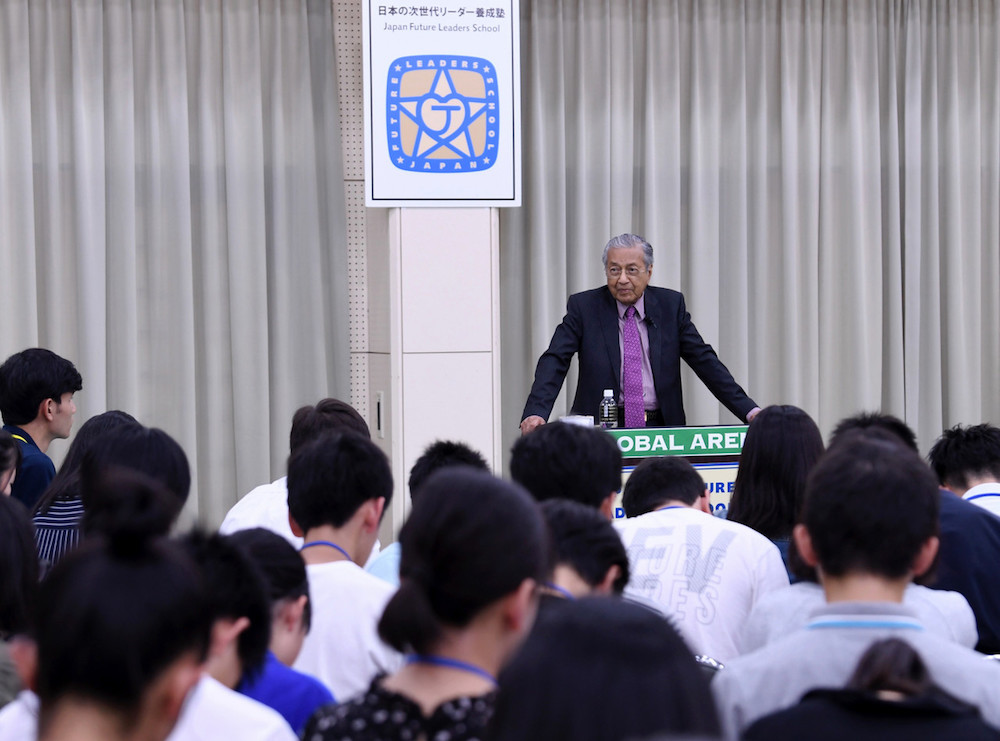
(635, 413)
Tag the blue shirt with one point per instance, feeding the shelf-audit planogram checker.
(35, 473)
(293, 694)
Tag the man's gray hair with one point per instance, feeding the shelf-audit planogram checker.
(627, 241)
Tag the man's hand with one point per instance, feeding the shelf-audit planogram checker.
(750, 415)
(530, 423)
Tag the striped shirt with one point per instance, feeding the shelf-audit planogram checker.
(57, 531)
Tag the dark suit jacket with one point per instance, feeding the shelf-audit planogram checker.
(590, 329)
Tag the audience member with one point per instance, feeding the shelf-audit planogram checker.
(869, 525)
(781, 447)
(970, 541)
(338, 487)
(267, 505)
(10, 461)
(18, 588)
(566, 461)
(967, 463)
(293, 694)
(438, 455)
(36, 401)
(704, 572)
(590, 559)
(473, 552)
(121, 631)
(59, 511)
(890, 696)
(648, 681)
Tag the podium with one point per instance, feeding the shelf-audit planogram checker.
(714, 451)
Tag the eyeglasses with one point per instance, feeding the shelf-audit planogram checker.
(631, 271)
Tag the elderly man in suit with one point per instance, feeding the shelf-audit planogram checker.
(630, 337)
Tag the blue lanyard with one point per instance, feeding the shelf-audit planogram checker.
(312, 543)
(671, 506)
(560, 590)
(444, 661)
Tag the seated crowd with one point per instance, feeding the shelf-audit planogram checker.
(849, 593)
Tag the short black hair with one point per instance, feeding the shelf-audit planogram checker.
(586, 542)
(310, 421)
(113, 614)
(279, 563)
(659, 480)
(235, 590)
(567, 461)
(962, 453)
(18, 568)
(30, 377)
(470, 540)
(442, 454)
(871, 503)
(878, 420)
(330, 477)
(648, 675)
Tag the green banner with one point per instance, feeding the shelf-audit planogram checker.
(686, 441)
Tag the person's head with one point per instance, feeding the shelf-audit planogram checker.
(284, 573)
(649, 681)
(237, 605)
(590, 555)
(564, 461)
(333, 477)
(875, 420)
(966, 456)
(309, 422)
(443, 454)
(10, 460)
(657, 481)
(38, 384)
(781, 448)
(891, 665)
(18, 568)
(66, 484)
(871, 508)
(628, 266)
(121, 626)
(132, 447)
(472, 552)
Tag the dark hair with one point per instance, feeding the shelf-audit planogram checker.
(235, 590)
(781, 448)
(442, 454)
(66, 484)
(148, 450)
(586, 542)
(964, 452)
(659, 480)
(279, 563)
(330, 477)
(115, 613)
(329, 414)
(10, 452)
(566, 461)
(868, 420)
(893, 665)
(649, 681)
(30, 377)
(470, 540)
(871, 503)
(18, 568)
(121, 494)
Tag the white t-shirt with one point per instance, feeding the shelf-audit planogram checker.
(343, 649)
(986, 496)
(267, 507)
(704, 572)
(776, 615)
(212, 711)
(19, 718)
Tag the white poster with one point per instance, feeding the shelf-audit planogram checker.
(442, 103)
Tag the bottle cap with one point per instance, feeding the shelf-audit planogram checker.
(609, 392)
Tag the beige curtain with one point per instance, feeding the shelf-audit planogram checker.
(821, 180)
(172, 217)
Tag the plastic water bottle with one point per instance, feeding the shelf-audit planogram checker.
(608, 412)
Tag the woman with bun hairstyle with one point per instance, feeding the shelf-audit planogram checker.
(121, 629)
(472, 553)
